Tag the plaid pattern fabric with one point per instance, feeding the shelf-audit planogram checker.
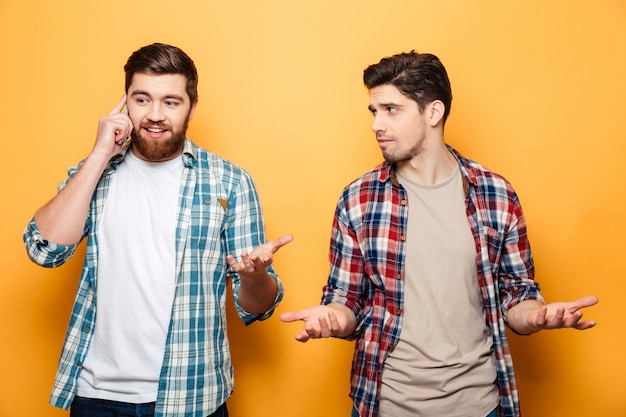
(367, 257)
(219, 214)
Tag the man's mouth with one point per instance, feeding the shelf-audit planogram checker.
(155, 132)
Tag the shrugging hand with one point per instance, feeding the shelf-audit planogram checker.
(333, 320)
(258, 290)
(531, 316)
(256, 262)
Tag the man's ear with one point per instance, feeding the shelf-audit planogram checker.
(192, 110)
(435, 111)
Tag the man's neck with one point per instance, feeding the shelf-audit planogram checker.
(431, 167)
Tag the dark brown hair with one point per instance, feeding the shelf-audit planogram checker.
(160, 58)
(420, 77)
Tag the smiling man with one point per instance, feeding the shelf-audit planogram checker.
(430, 261)
(163, 219)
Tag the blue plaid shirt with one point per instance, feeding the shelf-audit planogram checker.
(219, 213)
(367, 257)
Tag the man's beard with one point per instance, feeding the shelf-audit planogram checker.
(162, 149)
(402, 156)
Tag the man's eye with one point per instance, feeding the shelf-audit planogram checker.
(171, 103)
(391, 109)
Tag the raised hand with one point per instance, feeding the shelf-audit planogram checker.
(562, 314)
(258, 289)
(62, 219)
(321, 321)
(531, 316)
(113, 130)
(259, 259)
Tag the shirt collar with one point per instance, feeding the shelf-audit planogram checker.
(469, 173)
(190, 152)
(387, 172)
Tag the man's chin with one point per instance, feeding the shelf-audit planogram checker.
(153, 151)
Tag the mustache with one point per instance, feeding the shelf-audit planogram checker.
(158, 125)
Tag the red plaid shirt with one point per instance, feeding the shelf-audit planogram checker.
(367, 257)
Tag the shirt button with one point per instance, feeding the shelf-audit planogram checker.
(399, 276)
(79, 364)
(87, 329)
(207, 201)
(403, 238)
(403, 202)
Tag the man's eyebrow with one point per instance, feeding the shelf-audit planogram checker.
(140, 93)
(174, 96)
(166, 97)
(383, 105)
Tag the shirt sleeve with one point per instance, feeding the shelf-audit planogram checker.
(346, 277)
(245, 230)
(43, 252)
(516, 266)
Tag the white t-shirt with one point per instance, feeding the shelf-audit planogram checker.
(136, 282)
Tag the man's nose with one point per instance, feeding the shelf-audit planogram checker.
(156, 113)
(377, 125)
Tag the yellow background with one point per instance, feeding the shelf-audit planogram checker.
(539, 96)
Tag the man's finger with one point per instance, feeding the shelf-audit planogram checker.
(334, 321)
(303, 337)
(583, 302)
(119, 106)
(290, 316)
(280, 242)
(584, 325)
(324, 327)
(541, 317)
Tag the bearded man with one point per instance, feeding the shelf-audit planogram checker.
(162, 217)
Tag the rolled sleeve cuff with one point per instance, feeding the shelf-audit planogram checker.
(43, 252)
(249, 318)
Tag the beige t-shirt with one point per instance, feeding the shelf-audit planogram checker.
(443, 364)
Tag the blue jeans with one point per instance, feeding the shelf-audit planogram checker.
(494, 413)
(355, 413)
(91, 407)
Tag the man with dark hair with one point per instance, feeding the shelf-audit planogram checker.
(429, 262)
(163, 219)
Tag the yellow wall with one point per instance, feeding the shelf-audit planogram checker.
(539, 93)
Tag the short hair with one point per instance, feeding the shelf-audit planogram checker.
(160, 58)
(420, 77)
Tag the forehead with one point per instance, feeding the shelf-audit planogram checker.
(158, 85)
(387, 94)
